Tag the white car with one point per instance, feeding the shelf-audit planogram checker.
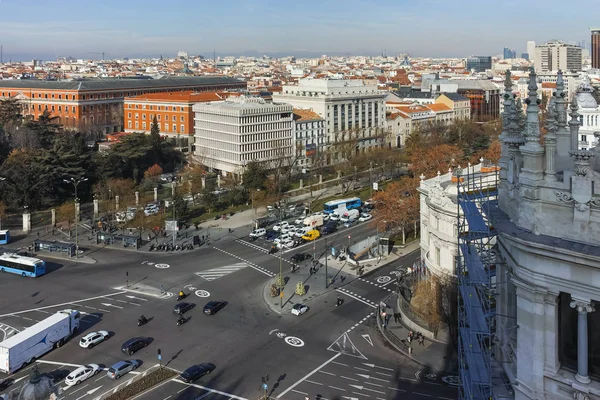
(81, 374)
(282, 224)
(93, 338)
(299, 221)
(282, 238)
(365, 217)
(288, 243)
(334, 217)
(258, 233)
(299, 309)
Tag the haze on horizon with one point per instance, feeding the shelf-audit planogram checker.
(150, 28)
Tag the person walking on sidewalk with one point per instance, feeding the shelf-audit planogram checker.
(421, 340)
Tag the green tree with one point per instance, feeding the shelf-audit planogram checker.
(155, 129)
(237, 195)
(210, 200)
(10, 112)
(27, 183)
(181, 208)
(45, 128)
(255, 176)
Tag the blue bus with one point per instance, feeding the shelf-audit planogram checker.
(348, 204)
(4, 237)
(24, 266)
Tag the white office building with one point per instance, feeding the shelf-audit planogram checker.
(348, 107)
(555, 55)
(230, 134)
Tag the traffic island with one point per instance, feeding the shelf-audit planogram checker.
(140, 384)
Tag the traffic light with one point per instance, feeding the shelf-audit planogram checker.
(158, 352)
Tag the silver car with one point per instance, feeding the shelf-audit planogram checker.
(121, 368)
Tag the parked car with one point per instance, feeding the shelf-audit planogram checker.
(121, 368)
(311, 235)
(133, 345)
(92, 339)
(196, 372)
(300, 257)
(283, 238)
(350, 222)
(212, 307)
(81, 374)
(365, 217)
(289, 243)
(151, 209)
(334, 217)
(277, 227)
(299, 309)
(329, 228)
(258, 233)
(4, 383)
(271, 235)
(299, 220)
(183, 307)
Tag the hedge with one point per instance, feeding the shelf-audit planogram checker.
(150, 380)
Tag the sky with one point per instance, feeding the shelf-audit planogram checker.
(47, 29)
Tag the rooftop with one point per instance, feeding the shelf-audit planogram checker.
(116, 83)
(302, 114)
(182, 97)
(438, 107)
(455, 96)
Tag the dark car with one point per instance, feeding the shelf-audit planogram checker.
(182, 308)
(213, 307)
(329, 228)
(196, 372)
(4, 383)
(300, 257)
(135, 344)
(271, 234)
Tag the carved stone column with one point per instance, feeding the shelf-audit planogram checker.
(583, 308)
(574, 125)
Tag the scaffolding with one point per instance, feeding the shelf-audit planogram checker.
(477, 194)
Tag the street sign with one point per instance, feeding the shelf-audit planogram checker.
(160, 357)
(265, 386)
(281, 294)
(375, 186)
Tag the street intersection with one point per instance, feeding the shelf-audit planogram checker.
(330, 352)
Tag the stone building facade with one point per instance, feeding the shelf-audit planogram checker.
(547, 336)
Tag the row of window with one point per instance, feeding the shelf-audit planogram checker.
(311, 134)
(158, 117)
(146, 126)
(158, 108)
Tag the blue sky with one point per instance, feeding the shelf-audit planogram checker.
(136, 28)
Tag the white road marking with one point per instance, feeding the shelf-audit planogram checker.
(103, 310)
(203, 396)
(168, 397)
(62, 304)
(28, 319)
(355, 298)
(102, 377)
(309, 375)
(211, 390)
(120, 301)
(111, 305)
(339, 363)
(135, 304)
(400, 390)
(361, 369)
(328, 373)
(313, 382)
(137, 298)
(77, 390)
(295, 391)
(423, 394)
(361, 394)
(384, 374)
(373, 384)
(350, 379)
(185, 388)
(337, 388)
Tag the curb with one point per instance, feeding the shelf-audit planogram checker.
(87, 260)
(166, 295)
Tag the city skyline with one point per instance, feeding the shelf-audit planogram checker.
(150, 28)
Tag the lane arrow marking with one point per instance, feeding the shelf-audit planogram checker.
(417, 374)
(111, 305)
(371, 377)
(368, 339)
(350, 398)
(138, 298)
(88, 392)
(357, 387)
(377, 366)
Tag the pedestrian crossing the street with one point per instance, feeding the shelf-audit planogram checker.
(216, 273)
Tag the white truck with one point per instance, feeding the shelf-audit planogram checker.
(314, 221)
(348, 215)
(26, 346)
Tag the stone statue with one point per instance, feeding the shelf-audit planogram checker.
(551, 123)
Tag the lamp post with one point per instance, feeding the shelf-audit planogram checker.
(253, 211)
(371, 178)
(76, 183)
(1, 179)
(281, 281)
(379, 239)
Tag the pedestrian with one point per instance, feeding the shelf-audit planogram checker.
(397, 317)
(186, 234)
(387, 319)
(409, 339)
(422, 340)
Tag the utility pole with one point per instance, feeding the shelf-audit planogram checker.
(326, 275)
(76, 183)
(371, 178)
(280, 268)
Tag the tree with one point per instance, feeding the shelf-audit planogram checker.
(255, 176)
(181, 208)
(27, 184)
(10, 113)
(398, 206)
(493, 151)
(66, 213)
(155, 128)
(153, 172)
(426, 302)
(434, 159)
(210, 200)
(2, 212)
(45, 128)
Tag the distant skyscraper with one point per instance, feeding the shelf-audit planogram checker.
(531, 50)
(555, 55)
(479, 63)
(509, 54)
(595, 48)
(525, 56)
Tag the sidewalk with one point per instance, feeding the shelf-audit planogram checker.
(434, 356)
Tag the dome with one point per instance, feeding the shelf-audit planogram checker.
(39, 387)
(585, 99)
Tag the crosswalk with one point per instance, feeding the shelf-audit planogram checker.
(7, 331)
(216, 273)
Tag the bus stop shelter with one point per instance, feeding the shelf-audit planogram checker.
(134, 241)
(55, 246)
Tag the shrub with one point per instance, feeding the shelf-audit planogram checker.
(150, 380)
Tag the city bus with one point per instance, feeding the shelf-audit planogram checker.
(24, 266)
(348, 204)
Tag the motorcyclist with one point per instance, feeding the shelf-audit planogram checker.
(143, 319)
(181, 294)
(181, 320)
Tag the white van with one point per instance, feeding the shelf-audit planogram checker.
(258, 233)
(348, 215)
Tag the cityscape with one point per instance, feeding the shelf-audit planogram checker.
(298, 203)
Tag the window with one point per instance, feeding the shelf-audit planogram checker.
(158, 117)
(166, 127)
(583, 137)
(137, 116)
(73, 109)
(129, 124)
(182, 128)
(182, 118)
(143, 125)
(174, 118)
(137, 124)
(144, 116)
(128, 115)
(437, 256)
(174, 127)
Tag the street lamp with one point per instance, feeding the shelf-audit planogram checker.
(253, 211)
(371, 177)
(379, 239)
(1, 179)
(76, 183)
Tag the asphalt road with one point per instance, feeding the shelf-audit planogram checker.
(328, 351)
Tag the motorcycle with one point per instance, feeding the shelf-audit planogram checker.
(182, 296)
(151, 247)
(180, 321)
(272, 250)
(142, 321)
